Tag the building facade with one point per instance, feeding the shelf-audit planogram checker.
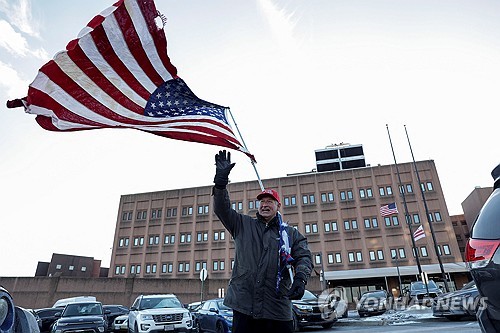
(70, 265)
(173, 234)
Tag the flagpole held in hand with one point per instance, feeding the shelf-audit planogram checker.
(245, 146)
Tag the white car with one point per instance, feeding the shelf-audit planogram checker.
(153, 313)
(120, 324)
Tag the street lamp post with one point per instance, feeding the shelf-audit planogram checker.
(399, 275)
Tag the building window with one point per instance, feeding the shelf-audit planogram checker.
(156, 213)
(334, 226)
(394, 254)
(359, 256)
(367, 223)
(431, 217)
(351, 256)
(142, 214)
(127, 216)
(327, 226)
(330, 258)
(372, 255)
(395, 220)
(343, 196)
(307, 228)
(84, 268)
(416, 219)
(186, 211)
(369, 193)
(317, 259)
(409, 188)
(380, 255)
(170, 268)
(117, 270)
(132, 269)
(349, 195)
(315, 228)
(362, 193)
(388, 190)
(374, 222)
(347, 225)
(381, 191)
(429, 186)
(222, 265)
(446, 249)
(338, 258)
(286, 201)
(354, 224)
(71, 268)
(215, 265)
(171, 212)
(402, 253)
(423, 250)
(387, 220)
(437, 215)
(250, 204)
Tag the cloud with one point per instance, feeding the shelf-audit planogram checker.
(19, 14)
(281, 24)
(16, 44)
(11, 83)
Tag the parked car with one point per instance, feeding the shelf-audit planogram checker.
(374, 302)
(214, 316)
(47, 317)
(120, 324)
(482, 255)
(309, 311)
(457, 304)
(112, 311)
(81, 317)
(419, 293)
(162, 312)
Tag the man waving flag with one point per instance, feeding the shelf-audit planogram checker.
(117, 74)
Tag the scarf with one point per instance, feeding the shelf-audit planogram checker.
(285, 258)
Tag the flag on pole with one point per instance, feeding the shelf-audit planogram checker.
(419, 233)
(388, 209)
(117, 74)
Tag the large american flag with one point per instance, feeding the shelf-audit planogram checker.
(117, 74)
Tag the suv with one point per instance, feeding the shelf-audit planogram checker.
(81, 317)
(423, 294)
(153, 313)
(311, 310)
(374, 302)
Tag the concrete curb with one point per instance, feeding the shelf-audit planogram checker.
(383, 321)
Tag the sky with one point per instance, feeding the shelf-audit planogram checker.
(297, 75)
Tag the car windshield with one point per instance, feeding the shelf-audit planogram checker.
(373, 294)
(419, 285)
(79, 309)
(222, 307)
(308, 296)
(159, 302)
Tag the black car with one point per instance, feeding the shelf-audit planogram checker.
(112, 311)
(47, 317)
(81, 317)
(311, 311)
(423, 293)
(374, 302)
(482, 255)
(457, 304)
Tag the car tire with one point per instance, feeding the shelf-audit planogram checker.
(327, 326)
(219, 327)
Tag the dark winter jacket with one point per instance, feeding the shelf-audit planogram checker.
(252, 288)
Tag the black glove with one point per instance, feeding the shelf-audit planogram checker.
(223, 167)
(298, 287)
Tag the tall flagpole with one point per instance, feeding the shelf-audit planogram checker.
(427, 214)
(407, 220)
(244, 145)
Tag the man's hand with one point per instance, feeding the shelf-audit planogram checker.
(298, 287)
(223, 167)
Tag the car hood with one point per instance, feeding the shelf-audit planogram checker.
(80, 319)
(424, 291)
(306, 302)
(459, 293)
(163, 310)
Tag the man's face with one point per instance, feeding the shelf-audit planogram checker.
(268, 207)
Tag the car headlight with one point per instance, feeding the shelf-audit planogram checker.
(146, 317)
(304, 307)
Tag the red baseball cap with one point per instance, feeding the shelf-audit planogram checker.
(269, 193)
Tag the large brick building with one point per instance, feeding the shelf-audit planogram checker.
(173, 234)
